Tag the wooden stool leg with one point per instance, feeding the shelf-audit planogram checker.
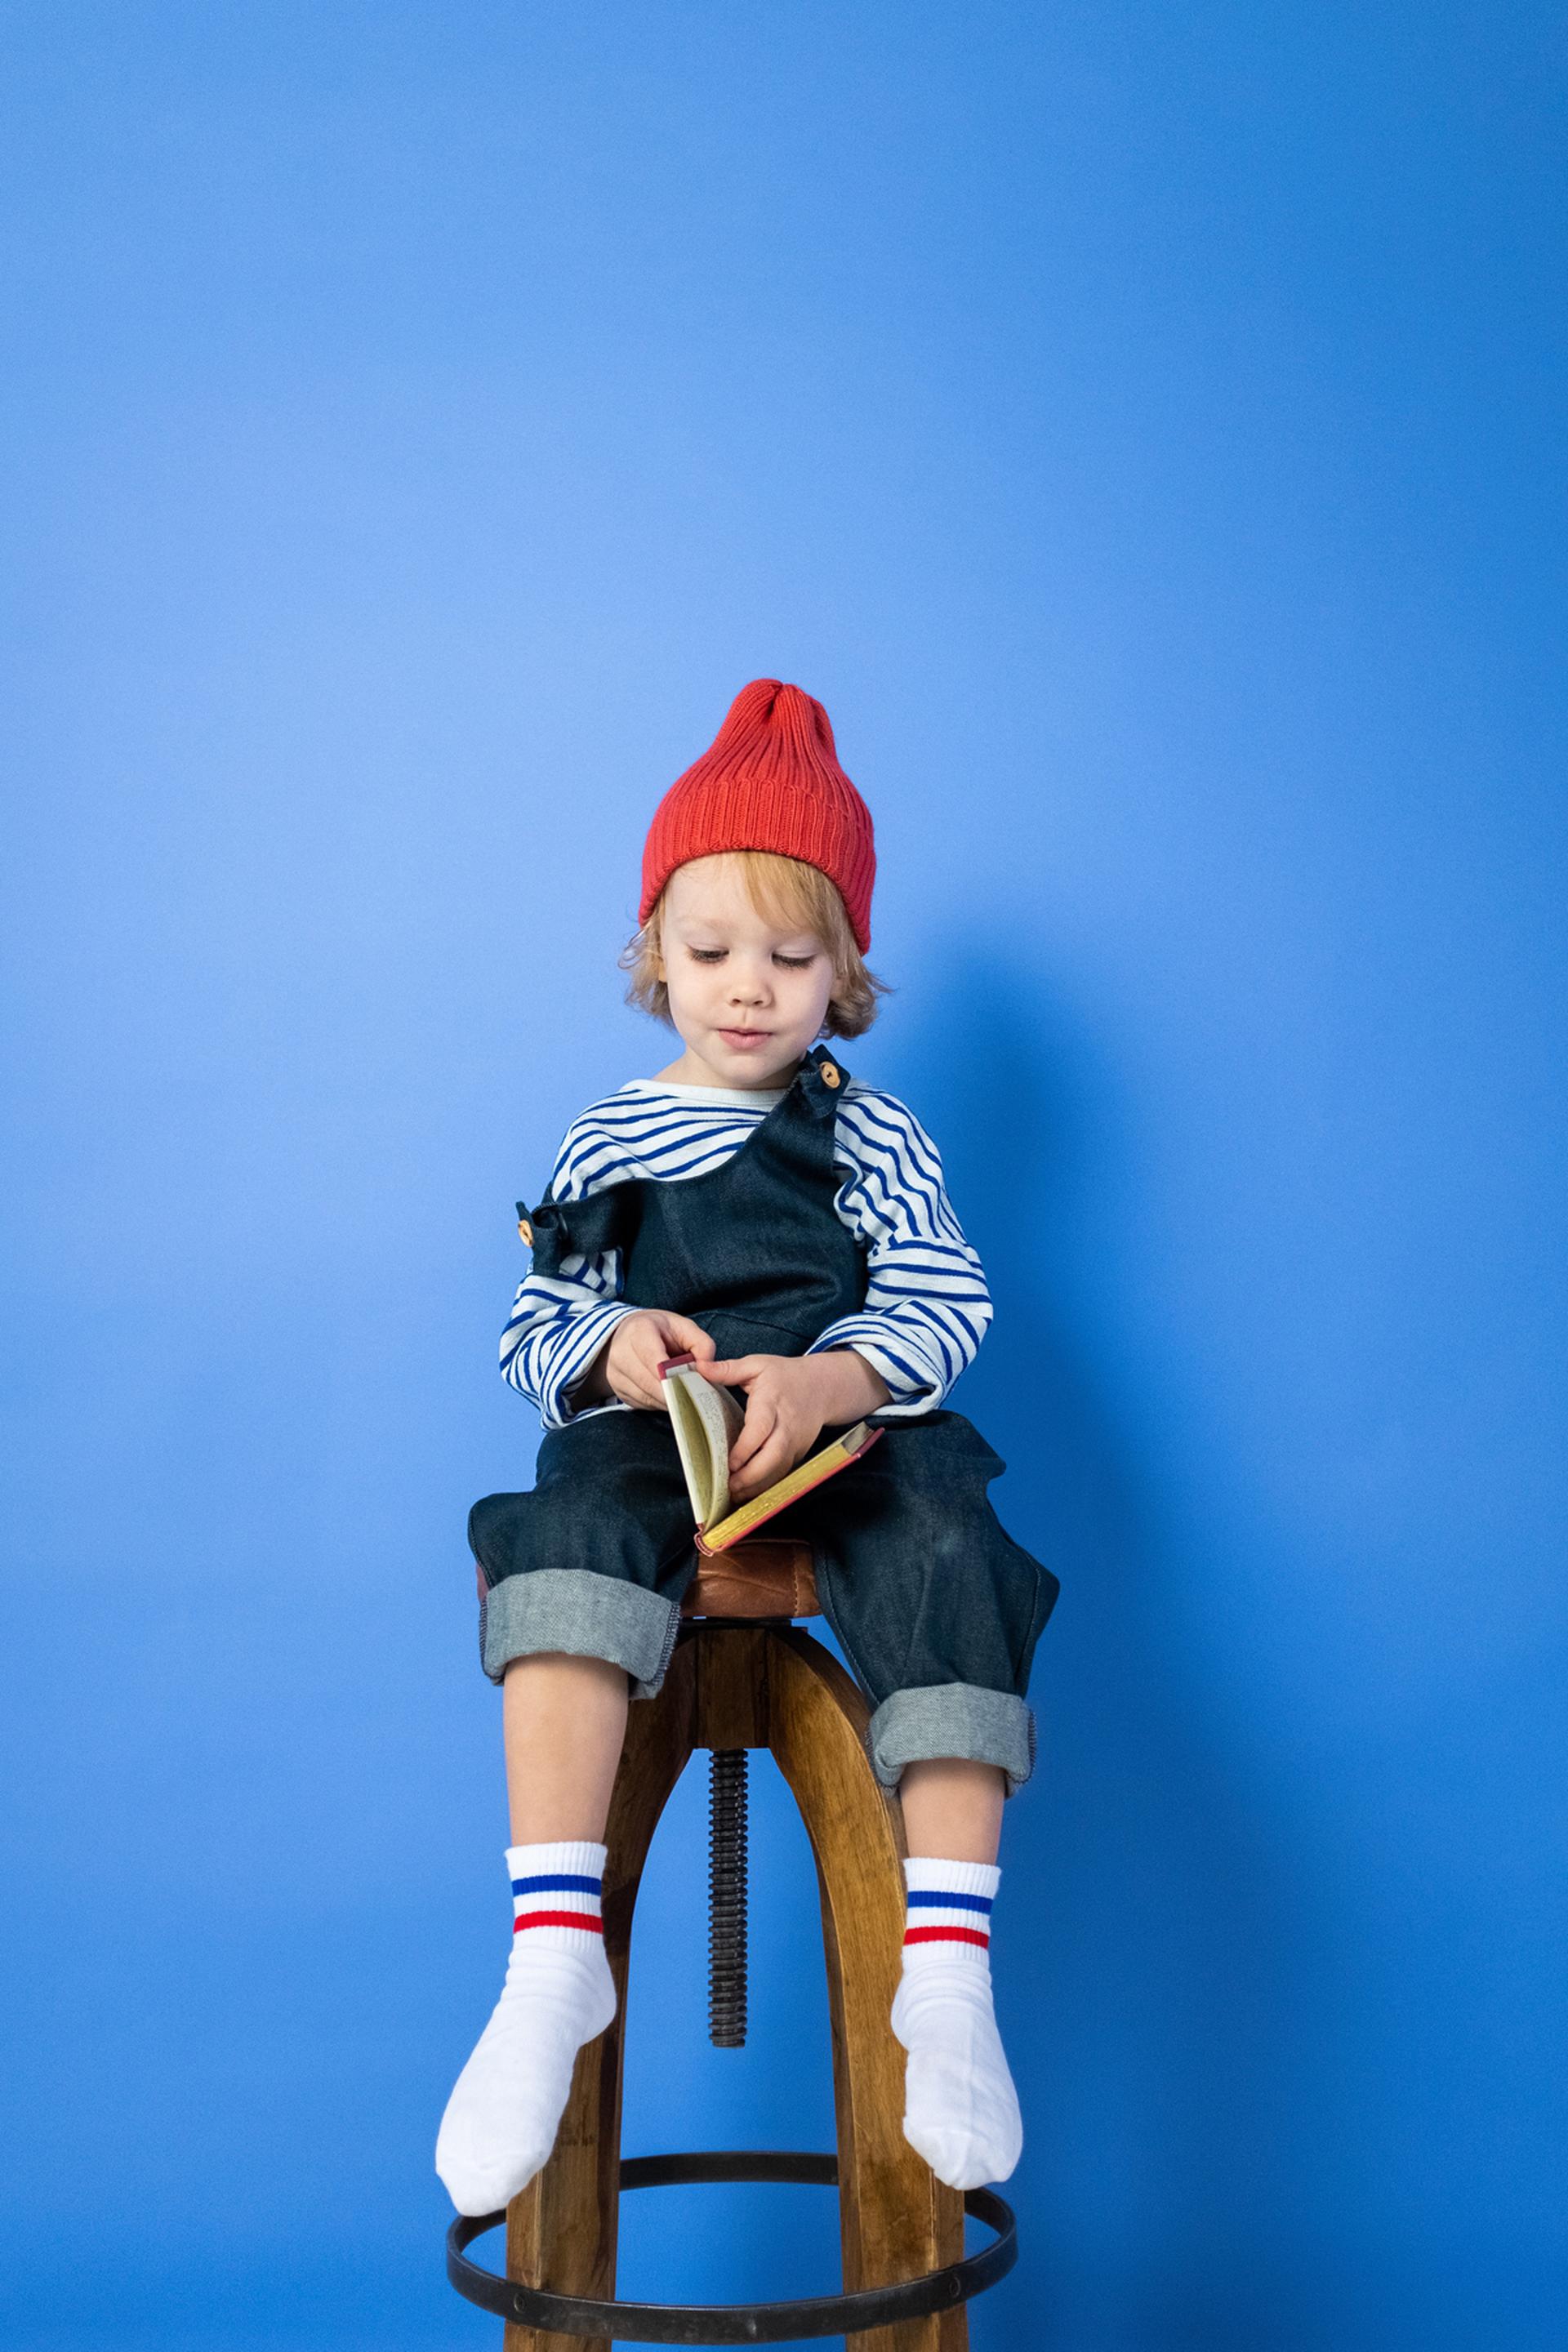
(896, 2217)
(561, 2232)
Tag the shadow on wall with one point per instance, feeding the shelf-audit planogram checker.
(1151, 1934)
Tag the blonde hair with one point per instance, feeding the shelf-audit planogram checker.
(795, 896)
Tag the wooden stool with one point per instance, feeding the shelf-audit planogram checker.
(742, 1676)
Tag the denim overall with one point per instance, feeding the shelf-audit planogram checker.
(935, 1606)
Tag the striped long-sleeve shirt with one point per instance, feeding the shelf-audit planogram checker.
(927, 1305)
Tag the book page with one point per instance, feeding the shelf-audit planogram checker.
(705, 1419)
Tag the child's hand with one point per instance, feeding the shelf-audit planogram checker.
(638, 1344)
(790, 1400)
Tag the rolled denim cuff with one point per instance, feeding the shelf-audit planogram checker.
(590, 1616)
(988, 1726)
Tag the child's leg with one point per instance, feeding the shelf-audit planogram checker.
(960, 2109)
(582, 1578)
(564, 1719)
(564, 1724)
(952, 1807)
(937, 1611)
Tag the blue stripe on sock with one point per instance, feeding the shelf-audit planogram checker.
(950, 1902)
(557, 1878)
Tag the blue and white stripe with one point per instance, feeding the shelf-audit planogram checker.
(927, 1304)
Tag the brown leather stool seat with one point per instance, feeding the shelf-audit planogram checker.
(766, 1576)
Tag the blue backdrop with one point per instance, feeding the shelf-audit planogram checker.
(1141, 426)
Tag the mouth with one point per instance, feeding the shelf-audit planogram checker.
(745, 1036)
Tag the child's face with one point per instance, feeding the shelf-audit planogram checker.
(747, 998)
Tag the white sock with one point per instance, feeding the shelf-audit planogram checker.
(502, 2118)
(961, 2110)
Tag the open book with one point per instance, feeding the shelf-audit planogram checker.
(706, 1420)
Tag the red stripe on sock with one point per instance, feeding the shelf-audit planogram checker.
(945, 1935)
(558, 1919)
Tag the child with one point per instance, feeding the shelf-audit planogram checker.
(787, 1223)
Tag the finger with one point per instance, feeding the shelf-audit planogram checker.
(686, 1334)
(754, 1431)
(734, 1371)
(670, 1338)
(772, 1462)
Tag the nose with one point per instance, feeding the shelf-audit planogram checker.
(746, 986)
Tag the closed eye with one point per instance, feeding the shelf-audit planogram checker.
(716, 955)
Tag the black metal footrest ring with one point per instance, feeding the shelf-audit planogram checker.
(735, 2322)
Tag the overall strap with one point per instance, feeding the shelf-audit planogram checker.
(608, 1219)
(822, 1079)
(795, 1135)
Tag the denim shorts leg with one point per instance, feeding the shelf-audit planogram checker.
(937, 1609)
(595, 1558)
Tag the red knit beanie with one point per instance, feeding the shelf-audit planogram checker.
(769, 780)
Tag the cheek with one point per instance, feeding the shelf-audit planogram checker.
(813, 990)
